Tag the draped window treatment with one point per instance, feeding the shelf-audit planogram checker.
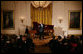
(43, 15)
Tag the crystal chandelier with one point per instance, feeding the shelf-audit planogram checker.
(43, 4)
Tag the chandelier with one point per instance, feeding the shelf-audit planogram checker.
(43, 4)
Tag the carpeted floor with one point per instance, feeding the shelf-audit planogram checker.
(40, 45)
(44, 41)
(42, 49)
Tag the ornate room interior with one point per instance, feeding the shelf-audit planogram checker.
(41, 27)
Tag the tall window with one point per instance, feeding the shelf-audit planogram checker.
(43, 15)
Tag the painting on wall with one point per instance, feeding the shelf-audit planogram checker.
(74, 19)
(8, 20)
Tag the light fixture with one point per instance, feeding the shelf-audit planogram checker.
(60, 19)
(22, 18)
(43, 4)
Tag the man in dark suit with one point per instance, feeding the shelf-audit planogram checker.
(41, 30)
(27, 31)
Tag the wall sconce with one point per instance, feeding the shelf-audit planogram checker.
(22, 19)
(60, 19)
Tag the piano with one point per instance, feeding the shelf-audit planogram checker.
(48, 29)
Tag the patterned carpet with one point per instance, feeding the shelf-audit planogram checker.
(44, 41)
(42, 49)
(40, 45)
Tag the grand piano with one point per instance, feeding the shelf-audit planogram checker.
(48, 29)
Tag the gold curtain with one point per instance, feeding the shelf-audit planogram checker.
(43, 15)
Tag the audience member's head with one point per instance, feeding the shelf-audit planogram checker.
(73, 39)
(53, 37)
(72, 36)
(59, 37)
(68, 36)
(14, 36)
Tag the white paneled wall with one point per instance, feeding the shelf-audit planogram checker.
(21, 8)
(59, 9)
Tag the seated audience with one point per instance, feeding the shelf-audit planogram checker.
(73, 44)
(53, 44)
(29, 43)
(65, 45)
(23, 44)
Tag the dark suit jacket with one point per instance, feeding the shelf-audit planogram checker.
(41, 28)
(26, 31)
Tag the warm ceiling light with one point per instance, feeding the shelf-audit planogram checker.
(43, 4)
